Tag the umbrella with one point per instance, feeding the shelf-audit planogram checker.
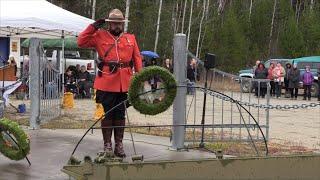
(150, 54)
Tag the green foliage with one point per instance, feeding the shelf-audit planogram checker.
(13, 152)
(310, 27)
(260, 24)
(291, 40)
(233, 45)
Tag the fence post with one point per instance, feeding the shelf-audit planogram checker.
(34, 72)
(179, 105)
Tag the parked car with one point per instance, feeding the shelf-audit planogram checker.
(246, 85)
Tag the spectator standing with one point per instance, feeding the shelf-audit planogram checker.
(12, 62)
(84, 82)
(261, 73)
(286, 79)
(307, 79)
(168, 65)
(191, 76)
(294, 79)
(278, 75)
(255, 85)
(256, 65)
(270, 77)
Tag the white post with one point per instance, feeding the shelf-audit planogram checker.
(179, 105)
(35, 89)
(158, 25)
(93, 15)
(127, 15)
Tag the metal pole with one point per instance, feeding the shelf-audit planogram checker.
(268, 111)
(35, 82)
(179, 105)
(64, 65)
(201, 145)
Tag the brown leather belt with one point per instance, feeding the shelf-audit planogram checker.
(119, 65)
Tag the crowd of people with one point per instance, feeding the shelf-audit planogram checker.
(279, 76)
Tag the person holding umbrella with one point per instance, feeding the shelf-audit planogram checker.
(119, 54)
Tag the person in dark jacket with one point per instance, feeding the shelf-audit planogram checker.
(261, 73)
(294, 79)
(286, 79)
(168, 65)
(70, 81)
(84, 82)
(191, 76)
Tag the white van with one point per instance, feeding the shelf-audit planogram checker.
(72, 58)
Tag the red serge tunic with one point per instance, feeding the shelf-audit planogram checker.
(124, 50)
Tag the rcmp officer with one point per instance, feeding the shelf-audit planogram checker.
(119, 54)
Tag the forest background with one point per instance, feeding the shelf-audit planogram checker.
(238, 31)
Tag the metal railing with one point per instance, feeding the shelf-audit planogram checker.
(50, 89)
(231, 123)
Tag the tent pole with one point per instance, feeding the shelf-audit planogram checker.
(63, 62)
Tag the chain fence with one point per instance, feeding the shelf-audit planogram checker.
(222, 111)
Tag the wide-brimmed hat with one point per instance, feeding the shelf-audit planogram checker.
(116, 15)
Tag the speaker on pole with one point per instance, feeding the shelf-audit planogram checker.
(210, 61)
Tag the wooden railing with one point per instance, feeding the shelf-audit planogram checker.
(7, 73)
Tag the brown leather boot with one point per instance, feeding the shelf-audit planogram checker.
(118, 137)
(107, 133)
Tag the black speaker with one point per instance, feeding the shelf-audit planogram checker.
(210, 61)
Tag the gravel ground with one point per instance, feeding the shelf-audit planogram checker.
(298, 127)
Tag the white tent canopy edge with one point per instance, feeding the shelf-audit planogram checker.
(38, 18)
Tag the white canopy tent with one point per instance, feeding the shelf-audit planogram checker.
(38, 18)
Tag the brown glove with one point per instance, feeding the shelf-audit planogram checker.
(99, 23)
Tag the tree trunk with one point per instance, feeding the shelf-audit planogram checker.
(158, 25)
(221, 6)
(93, 15)
(189, 26)
(176, 18)
(127, 15)
(205, 27)
(179, 12)
(250, 11)
(200, 27)
(272, 24)
(207, 9)
(299, 11)
(89, 7)
(311, 4)
(183, 16)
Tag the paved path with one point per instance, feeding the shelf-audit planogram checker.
(51, 149)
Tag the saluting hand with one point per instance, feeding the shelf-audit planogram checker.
(99, 23)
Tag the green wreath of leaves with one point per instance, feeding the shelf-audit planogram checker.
(170, 87)
(12, 151)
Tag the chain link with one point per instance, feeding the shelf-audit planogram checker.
(264, 106)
